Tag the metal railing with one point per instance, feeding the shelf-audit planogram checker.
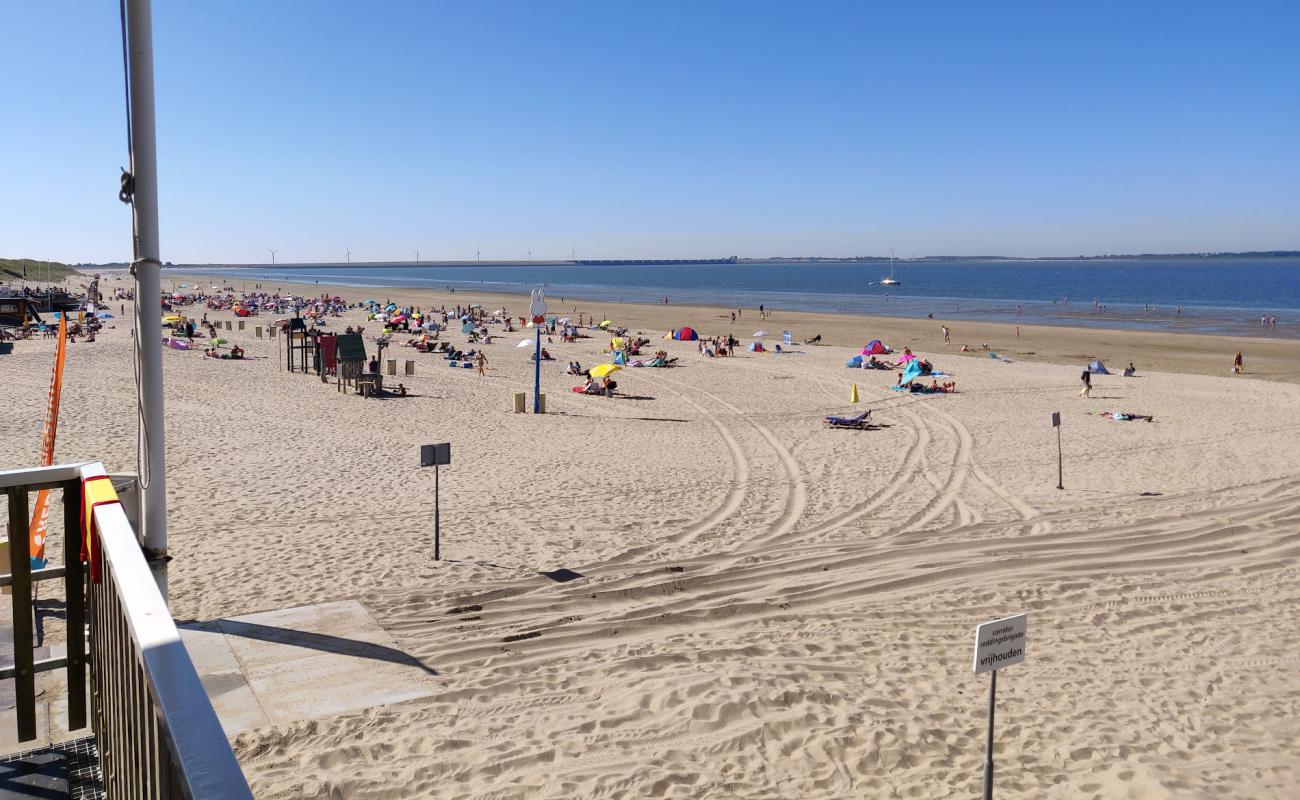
(156, 731)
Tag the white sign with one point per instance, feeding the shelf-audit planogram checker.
(1000, 643)
(538, 307)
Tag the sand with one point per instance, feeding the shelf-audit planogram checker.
(767, 608)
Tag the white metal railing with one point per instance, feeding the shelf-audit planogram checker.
(156, 731)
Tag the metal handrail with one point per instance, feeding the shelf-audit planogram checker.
(40, 477)
(157, 733)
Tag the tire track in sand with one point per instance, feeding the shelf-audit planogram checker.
(793, 479)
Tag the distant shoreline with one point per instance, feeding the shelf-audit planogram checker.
(1058, 342)
(1252, 255)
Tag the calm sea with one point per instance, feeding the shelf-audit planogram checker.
(1216, 295)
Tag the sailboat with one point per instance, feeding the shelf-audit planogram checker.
(891, 280)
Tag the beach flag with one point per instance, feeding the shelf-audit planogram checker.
(853, 395)
(41, 511)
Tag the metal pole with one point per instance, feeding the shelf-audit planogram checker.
(537, 372)
(1060, 463)
(148, 290)
(988, 753)
(437, 516)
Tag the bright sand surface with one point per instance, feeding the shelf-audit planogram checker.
(769, 608)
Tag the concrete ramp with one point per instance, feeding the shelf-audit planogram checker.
(301, 663)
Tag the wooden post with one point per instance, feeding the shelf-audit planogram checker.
(410, 367)
(258, 330)
(241, 324)
(75, 591)
(20, 562)
(392, 366)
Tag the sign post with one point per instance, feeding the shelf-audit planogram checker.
(435, 455)
(1060, 473)
(998, 644)
(537, 310)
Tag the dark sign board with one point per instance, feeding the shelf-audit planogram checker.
(435, 454)
(351, 347)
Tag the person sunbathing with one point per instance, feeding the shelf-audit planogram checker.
(608, 385)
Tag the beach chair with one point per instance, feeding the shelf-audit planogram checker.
(860, 422)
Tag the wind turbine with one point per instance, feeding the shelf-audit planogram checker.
(349, 254)
(417, 255)
(272, 252)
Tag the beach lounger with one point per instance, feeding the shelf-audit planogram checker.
(860, 422)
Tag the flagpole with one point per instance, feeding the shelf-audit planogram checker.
(148, 287)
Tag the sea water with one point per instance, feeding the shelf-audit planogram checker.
(1215, 295)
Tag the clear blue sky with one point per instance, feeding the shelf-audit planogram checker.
(664, 129)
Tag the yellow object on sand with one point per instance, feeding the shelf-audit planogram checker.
(853, 395)
(606, 323)
(601, 370)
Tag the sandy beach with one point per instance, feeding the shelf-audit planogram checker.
(766, 608)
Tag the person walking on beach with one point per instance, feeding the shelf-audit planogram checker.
(480, 361)
(1237, 368)
(1087, 383)
(947, 334)
(733, 318)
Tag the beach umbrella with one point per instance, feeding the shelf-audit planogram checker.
(219, 342)
(601, 370)
(525, 343)
(564, 320)
(759, 334)
(173, 318)
(104, 315)
(468, 327)
(500, 312)
(606, 323)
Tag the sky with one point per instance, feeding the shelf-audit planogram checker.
(659, 130)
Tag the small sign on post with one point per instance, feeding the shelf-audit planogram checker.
(1060, 463)
(998, 644)
(435, 455)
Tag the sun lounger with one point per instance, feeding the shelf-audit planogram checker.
(860, 422)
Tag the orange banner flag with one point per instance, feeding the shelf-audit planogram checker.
(41, 511)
